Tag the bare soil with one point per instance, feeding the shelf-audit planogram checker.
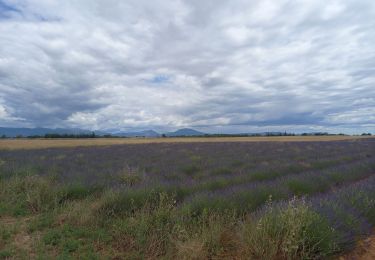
(365, 250)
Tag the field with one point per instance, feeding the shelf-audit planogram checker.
(50, 143)
(188, 198)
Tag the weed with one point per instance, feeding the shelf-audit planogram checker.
(130, 176)
(52, 237)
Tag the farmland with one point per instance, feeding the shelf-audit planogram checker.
(50, 143)
(192, 198)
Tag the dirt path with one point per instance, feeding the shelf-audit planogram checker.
(365, 250)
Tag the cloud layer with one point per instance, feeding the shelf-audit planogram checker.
(218, 66)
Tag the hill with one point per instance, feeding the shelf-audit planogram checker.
(145, 133)
(185, 132)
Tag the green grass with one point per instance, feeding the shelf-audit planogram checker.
(191, 170)
(294, 232)
(221, 171)
(4, 254)
(74, 221)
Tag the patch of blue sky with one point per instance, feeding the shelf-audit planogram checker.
(159, 79)
(7, 10)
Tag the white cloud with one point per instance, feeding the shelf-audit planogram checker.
(360, 116)
(332, 9)
(216, 65)
(3, 112)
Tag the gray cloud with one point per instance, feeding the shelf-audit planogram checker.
(216, 65)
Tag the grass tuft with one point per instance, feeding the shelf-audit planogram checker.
(293, 232)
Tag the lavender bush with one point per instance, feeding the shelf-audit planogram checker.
(208, 200)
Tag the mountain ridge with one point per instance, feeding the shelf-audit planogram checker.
(23, 131)
(41, 131)
(144, 133)
(185, 132)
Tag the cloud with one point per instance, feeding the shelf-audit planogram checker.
(214, 65)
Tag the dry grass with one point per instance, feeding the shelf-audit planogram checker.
(365, 250)
(49, 143)
(15, 231)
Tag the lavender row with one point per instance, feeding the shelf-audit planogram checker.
(185, 162)
(249, 196)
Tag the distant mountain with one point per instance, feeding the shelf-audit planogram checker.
(13, 132)
(185, 132)
(145, 133)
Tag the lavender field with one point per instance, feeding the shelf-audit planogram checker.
(266, 200)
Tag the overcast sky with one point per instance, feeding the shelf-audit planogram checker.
(216, 66)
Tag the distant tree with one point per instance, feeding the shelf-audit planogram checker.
(34, 136)
(3, 136)
(163, 135)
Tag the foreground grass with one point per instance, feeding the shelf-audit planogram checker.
(42, 219)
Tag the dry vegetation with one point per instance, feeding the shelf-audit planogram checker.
(365, 250)
(49, 143)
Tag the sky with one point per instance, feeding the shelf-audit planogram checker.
(213, 65)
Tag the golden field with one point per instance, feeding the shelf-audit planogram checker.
(50, 143)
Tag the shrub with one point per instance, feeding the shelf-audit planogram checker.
(130, 176)
(291, 232)
(191, 170)
(126, 202)
(148, 227)
(77, 191)
(30, 193)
